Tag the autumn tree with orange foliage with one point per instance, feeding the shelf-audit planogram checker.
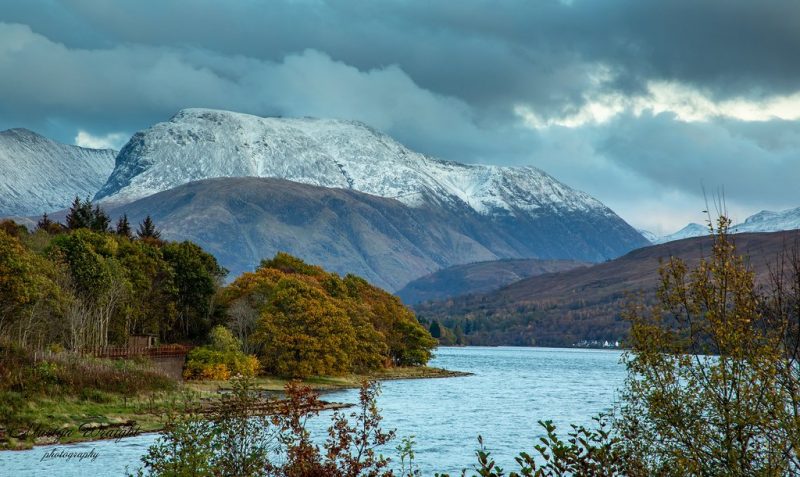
(311, 322)
(712, 385)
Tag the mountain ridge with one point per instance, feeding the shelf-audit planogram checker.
(324, 152)
(478, 277)
(40, 175)
(538, 213)
(243, 220)
(565, 308)
(763, 221)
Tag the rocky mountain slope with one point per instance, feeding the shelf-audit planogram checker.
(40, 175)
(539, 216)
(561, 309)
(479, 277)
(242, 220)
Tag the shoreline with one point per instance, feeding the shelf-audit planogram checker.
(131, 424)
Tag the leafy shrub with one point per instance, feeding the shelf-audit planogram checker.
(217, 372)
(223, 340)
(249, 366)
(237, 440)
(207, 363)
(47, 371)
(713, 381)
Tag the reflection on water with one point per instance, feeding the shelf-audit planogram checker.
(512, 388)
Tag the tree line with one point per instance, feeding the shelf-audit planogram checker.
(83, 214)
(84, 285)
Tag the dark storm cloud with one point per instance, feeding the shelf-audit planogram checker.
(489, 53)
(47, 85)
(446, 78)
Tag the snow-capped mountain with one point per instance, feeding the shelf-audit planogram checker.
(691, 230)
(40, 175)
(468, 212)
(512, 212)
(200, 143)
(768, 221)
(764, 221)
(648, 235)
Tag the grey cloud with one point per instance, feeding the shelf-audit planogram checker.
(653, 169)
(755, 164)
(129, 87)
(443, 77)
(490, 54)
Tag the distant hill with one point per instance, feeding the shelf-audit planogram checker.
(768, 221)
(691, 230)
(764, 221)
(561, 309)
(480, 277)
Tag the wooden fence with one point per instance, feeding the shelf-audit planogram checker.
(124, 352)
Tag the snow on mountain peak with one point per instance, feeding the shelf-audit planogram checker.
(764, 221)
(648, 235)
(768, 221)
(40, 175)
(691, 230)
(204, 143)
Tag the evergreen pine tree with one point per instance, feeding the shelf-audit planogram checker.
(44, 223)
(124, 227)
(435, 329)
(147, 229)
(100, 220)
(460, 338)
(79, 215)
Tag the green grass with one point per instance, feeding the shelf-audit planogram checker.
(146, 412)
(147, 409)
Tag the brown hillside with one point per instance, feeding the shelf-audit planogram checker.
(479, 277)
(564, 308)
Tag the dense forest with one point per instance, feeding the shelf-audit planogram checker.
(86, 284)
(83, 285)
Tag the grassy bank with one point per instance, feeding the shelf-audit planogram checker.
(93, 414)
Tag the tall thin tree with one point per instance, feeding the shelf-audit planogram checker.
(124, 227)
(100, 220)
(44, 223)
(147, 229)
(80, 214)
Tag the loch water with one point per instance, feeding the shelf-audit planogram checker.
(511, 388)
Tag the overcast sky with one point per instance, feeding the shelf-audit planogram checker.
(639, 103)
